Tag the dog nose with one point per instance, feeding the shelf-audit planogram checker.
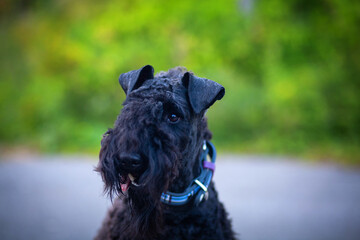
(130, 162)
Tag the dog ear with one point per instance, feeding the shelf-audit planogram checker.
(134, 79)
(202, 92)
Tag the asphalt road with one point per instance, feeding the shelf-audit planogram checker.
(56, 197)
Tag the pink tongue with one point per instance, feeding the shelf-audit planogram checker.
(125, 186)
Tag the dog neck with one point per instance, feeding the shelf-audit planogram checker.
(197, 191)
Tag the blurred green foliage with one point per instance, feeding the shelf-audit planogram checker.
(291, 70)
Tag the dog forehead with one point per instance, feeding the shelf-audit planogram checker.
(157, 90)
(162, 84)
(162, 87)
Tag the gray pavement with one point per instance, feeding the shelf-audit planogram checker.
(57, 197)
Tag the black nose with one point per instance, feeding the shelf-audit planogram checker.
(130, 162)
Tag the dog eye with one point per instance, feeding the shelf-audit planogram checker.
(173, 118)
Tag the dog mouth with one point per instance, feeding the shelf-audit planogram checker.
(127, 181)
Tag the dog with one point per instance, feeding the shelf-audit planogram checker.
(157, 162)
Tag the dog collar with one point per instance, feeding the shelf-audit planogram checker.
(198, 189)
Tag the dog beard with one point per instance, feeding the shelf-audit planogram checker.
(144, 199)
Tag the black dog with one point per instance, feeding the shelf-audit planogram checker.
(159, 161)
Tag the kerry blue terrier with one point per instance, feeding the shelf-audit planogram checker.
(158, 161)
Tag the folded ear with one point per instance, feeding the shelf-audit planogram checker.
(134, 79)
(202, 92)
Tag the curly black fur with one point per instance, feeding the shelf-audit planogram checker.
(166, 156)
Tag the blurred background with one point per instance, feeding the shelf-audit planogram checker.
(290, 68)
